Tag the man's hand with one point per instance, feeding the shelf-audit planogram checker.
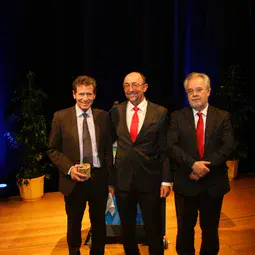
(165, 191)
(194, 176)
(111, 190)
(75, 175)
(200, 168)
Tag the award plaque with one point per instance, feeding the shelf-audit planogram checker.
(85, 169)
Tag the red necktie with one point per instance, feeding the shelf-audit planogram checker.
(200, 135)
(134, 124)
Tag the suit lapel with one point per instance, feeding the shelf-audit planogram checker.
(210, 122)
(191, 129)
(150, 112)
(97, 129)
(123, 121)
(74, 126)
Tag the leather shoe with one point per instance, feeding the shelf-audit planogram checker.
(74, 252)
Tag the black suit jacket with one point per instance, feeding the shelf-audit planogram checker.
(182, 147)
(144, 162)
(64, 146)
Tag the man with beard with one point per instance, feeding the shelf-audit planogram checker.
(141, 174)
(200, 140)
(79, 135)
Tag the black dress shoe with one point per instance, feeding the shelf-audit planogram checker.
(74, 252)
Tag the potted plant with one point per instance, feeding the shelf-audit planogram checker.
(232, 97)
(30, 137)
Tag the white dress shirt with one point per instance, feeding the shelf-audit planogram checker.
(141, 113)
(204, 115)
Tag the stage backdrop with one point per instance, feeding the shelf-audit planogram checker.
(59, 40)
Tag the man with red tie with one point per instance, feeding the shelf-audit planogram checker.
(141, 174)
(200, 139)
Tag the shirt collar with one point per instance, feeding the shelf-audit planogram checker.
(204, 112)
(79, 111)
(142, 106)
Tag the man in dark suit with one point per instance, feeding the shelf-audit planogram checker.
(141, 174)
(81, 134)
(200, 140)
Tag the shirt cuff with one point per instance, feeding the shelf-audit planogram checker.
(69, 171)
(166, 183)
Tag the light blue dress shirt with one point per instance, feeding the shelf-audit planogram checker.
(91, 127)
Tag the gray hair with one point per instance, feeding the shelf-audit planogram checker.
(201, 75)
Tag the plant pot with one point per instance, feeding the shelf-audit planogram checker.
(232, 169)
(34, 190)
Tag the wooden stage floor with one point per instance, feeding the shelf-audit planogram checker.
(39, 228)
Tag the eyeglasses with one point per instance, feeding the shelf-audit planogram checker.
(134, 85)
(197, 91)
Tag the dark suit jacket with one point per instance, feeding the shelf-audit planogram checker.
(64, 146)
(143, 162)
(182, 147)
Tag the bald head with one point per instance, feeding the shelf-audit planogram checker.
(135, 86)
(137, 75)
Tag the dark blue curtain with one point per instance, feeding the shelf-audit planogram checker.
(165, 40)
(198, 42)
(10, 24)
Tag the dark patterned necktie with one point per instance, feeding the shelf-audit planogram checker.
(87, 146)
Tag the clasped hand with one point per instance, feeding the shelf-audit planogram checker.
(199, 170)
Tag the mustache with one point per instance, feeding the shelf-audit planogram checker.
(86, 101)
(132, 93)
